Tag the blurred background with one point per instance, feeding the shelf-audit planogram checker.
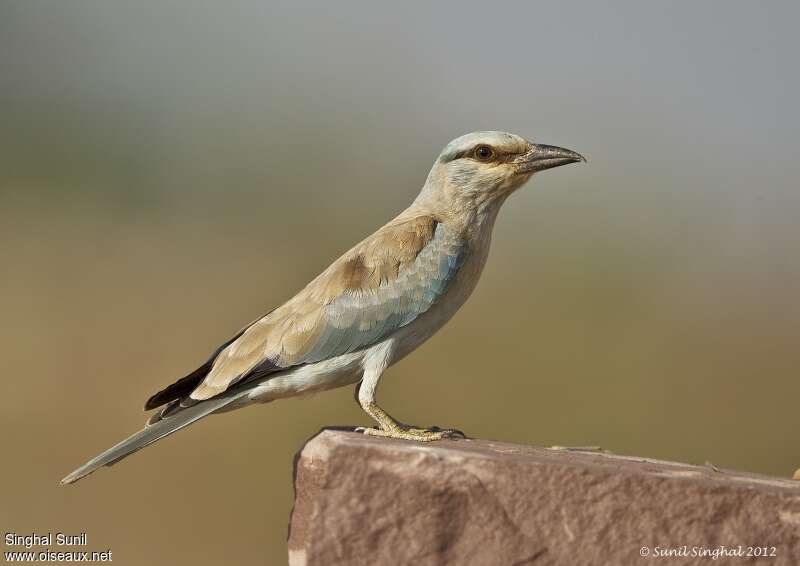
(170, 170)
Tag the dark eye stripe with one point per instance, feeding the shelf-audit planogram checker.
(470, 153)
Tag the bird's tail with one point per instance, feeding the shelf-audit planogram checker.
(151, 433)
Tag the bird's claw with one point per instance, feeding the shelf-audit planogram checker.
(415, 434)
(448, 432)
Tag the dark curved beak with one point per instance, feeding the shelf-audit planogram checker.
(541, 157)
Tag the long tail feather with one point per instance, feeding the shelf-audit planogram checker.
(150, 434)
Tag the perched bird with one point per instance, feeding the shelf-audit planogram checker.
(370, 308)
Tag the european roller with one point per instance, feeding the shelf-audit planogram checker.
(372, 306)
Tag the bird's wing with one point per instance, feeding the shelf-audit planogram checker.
(379, 286)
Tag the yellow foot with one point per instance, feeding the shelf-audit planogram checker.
(416, 434)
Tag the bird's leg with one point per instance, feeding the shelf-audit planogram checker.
(389, 427)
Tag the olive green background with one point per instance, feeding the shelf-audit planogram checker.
(169, 171)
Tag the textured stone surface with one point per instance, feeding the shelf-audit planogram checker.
(371, 501)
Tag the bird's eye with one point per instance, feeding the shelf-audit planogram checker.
(484, 153)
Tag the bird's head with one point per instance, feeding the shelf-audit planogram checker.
(479, 169)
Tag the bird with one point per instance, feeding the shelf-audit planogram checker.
(370, 308)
